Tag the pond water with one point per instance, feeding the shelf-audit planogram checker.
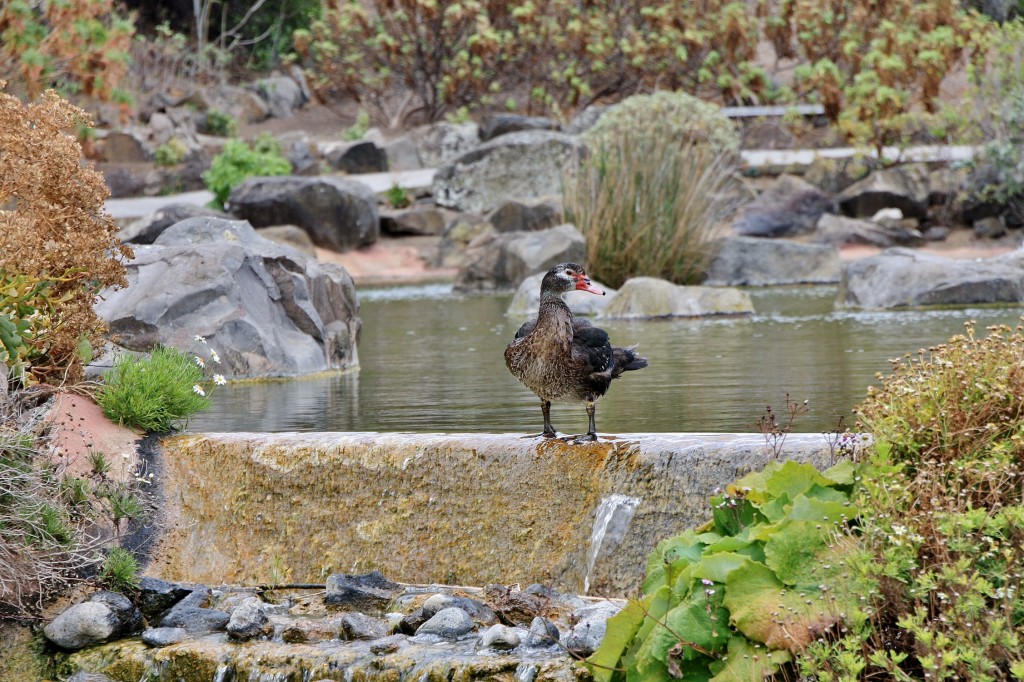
(431, 361)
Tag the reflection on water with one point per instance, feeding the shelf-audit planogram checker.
(432, 361)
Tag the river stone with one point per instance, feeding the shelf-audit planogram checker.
(160, 637)
(749, 261)
(448, 623)
(129, 616)
(338, 213)
(283, 95)
(899, 278)
(500, 261)
(430, 146)
(514, 605)
(355, 625)
(523, 165)
(411, 622)
(387, 645)
(591, 624)
(501, 637)
(649, 297)
(526, 301)
(836, 230)
(788, 207)
(195, 619)
(249, 620)
(542, 633)
(82, 625)
(357, 157)
(156, 596)
(416, 220)
(82, 676)
(903, 187)
(263, 306)
(290, 235)
(368, 592)
(478, 611)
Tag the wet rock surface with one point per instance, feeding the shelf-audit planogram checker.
(452, 644)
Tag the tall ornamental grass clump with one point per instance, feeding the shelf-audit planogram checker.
(651, 195)
(154, 393)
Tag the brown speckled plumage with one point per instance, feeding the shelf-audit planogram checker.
(563, 359)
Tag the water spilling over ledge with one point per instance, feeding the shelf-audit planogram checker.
(467, 509)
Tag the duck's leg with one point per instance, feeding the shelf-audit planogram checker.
(590, 435)
(545, 408)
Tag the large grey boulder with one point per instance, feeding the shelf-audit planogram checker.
(145, 230)
(526, 301)
(500, 261)
(788, 207)
(249, 619)
(903, 187)
(749, 261)
(515, 215)
(649, 297)
(263, 306)
(282, 95)
(523, 165)
(498, 124)
(837, 230)
(339, 214)
(361, 156)
(899, 278)
(105, 616)
(428, 146)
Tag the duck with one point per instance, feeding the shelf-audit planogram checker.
(565, 359)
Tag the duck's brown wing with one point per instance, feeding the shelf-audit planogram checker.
(594, 342)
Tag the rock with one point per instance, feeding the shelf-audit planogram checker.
(789, 207)
(355, 625)
(524, 165)
(526, 301)
(478, 611)
(439, 143)
(357, 157)
(129, 616)
(161, 637)
(543, 633)
(748, 261)
(527, 216)
(82, 676)
(369, 592)
(648, 297)
(290, 235)
(387, 645)
(282, 95)
(85, 624)
(903, 187)
(833, 175)
(500, 637)
(989, 228)
(585, 120)
(458, 233)
(157, 596)
(945, 184)
(305, 630)
(195, 619)
(243, 104)
(301, 153)
(499, 262)
(516, 606)
(415, 220)
(125, 146)
(592, 623)
(898, 278)
(837, 230)
(448, 623)
(411, 622)
(264, 307)
(145, 230)
(339, 214)
(936, 233)
(249, 620)
(495, 125)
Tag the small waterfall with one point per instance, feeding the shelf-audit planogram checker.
(610, 523)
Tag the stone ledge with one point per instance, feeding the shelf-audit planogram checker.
(446, 508)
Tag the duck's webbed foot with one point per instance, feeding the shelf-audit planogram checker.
(549, 430)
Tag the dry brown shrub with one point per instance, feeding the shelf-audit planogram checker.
(53, 225)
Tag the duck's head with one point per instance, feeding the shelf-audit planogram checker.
(568, 277)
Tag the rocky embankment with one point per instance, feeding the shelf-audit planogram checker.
(354, 627)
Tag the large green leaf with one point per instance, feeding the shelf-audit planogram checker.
(688, 632)
(717, 567)
(670, 558)
(824, 512)
(792, 550)
(794, 479)
(744, 663)
(622, 627)
(767, 611)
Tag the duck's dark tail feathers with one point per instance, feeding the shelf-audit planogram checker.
(626, 360)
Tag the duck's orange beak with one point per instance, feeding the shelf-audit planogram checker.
(583, 283)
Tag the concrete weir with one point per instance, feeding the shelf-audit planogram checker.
(460, 508)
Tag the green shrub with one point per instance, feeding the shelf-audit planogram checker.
(119, 571)
(397, 196)
(171, 153)
(650, 197)
(154, 393)
(220, 124)
(358, 128)
(739, 598)
(239, 161)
